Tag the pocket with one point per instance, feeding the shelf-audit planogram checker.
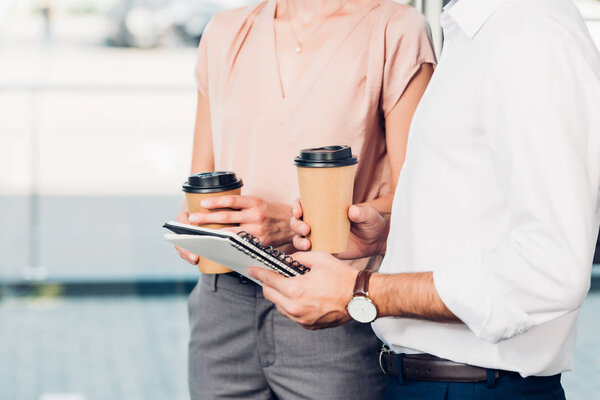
(192, 299)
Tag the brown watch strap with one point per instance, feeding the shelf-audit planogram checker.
(361, 286)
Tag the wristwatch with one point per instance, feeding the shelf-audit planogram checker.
(361, 308)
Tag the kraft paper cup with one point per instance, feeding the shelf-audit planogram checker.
(207, 185)
(326, 184)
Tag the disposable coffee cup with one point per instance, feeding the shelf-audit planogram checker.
(205, 185)
(326, 183)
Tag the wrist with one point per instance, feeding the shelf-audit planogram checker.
(349, 291)
(361, 307)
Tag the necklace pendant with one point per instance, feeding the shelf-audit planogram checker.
(299, 48)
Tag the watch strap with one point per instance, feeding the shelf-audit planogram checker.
(361, 286)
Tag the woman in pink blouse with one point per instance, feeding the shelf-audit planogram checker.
(274, 78)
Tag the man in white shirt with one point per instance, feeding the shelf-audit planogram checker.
(495, 215)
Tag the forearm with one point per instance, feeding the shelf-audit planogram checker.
(409, 295)
(202, 149)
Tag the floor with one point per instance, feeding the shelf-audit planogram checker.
(134, 348)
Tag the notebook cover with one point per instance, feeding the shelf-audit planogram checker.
(217, 249)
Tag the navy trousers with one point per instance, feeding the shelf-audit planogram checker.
(507, 387)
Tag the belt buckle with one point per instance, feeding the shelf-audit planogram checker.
(384, 349)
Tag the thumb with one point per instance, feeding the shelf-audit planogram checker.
(363, 215)
(355, 214)
(311, 259)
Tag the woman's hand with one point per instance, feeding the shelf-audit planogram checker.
(368, 231)
(183, 253)
(268, 221)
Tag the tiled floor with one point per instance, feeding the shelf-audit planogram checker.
(134, 348)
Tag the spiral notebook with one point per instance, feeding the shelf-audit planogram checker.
(236, 251)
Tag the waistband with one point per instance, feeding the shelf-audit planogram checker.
(232, 282)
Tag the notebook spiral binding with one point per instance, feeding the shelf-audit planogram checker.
(286, 264)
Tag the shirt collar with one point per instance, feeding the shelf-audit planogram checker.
(471, 15)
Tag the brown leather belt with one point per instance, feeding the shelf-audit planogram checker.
(425, 367)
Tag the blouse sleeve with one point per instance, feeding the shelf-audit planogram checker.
(407, 46)
(201, 71)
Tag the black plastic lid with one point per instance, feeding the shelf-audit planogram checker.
(212, 182)
(326, 157)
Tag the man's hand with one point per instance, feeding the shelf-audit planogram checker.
(315, 300)
(368, 231)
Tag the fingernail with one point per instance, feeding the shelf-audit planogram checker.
(294, 211)
(205, 203)
(193, 218)
(358, 212)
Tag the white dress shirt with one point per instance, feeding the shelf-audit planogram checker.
(499, 194)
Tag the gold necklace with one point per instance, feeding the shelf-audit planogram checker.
(299, 45)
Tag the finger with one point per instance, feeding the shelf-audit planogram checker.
(183, 217)
(273, 280)
(297, 209)
(268, 278)
(299, 226)
(187, 255)
(180, 250)
(232, 201)
(190, 258)
(301, 243)
(284, 304)
(232, 229)
(303, 228)
(220, 217)
(278, 299)
(313, 258)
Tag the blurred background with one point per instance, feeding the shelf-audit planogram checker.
(97, 102)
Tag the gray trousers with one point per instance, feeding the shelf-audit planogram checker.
(241, 347)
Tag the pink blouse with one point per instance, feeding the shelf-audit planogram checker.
(353, 80)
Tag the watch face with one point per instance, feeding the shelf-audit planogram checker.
(362, 309)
